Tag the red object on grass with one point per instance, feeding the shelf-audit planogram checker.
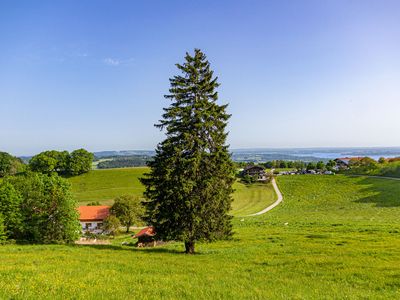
(148, 231)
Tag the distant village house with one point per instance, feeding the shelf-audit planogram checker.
(257, 172)
(92, 217)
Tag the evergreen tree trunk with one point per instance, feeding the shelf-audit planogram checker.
(189, 247)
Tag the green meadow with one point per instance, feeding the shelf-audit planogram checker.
(333, 237)
(251, 198)
(105, 185)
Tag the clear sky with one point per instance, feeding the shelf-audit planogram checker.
(93, 74)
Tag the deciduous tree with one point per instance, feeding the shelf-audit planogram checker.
(47, 207)
(80, 162)
(111, 224)
(128, 209)
(320, 165)
(10, 209)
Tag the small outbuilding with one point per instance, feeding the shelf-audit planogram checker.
(146, 237)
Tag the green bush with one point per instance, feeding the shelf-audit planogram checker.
(44, 207)
(112, 225)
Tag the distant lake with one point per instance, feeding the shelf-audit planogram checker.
(333, 155)
(312, 154)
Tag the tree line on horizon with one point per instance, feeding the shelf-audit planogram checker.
(61, 162)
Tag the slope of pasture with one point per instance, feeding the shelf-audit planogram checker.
(346, 200)
(333, 237)
(252, 198)
(105, 185)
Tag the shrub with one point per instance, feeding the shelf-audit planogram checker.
(10, 209)
(48, 211)
(128, 209)
(112, 224)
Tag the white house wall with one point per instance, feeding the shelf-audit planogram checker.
(93, 226)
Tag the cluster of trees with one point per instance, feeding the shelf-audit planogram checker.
(383, 160)
(365, 162)
(62, 162)
(37, 208)
(300, 165)
(366, 165)
(285, 164)
(10, 165)
(389, 167)
(320, 165)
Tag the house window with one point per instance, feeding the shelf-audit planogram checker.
(88, 225)
(99, 225)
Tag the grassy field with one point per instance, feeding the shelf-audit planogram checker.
(333, 237)
(251, 198)
(105, 185)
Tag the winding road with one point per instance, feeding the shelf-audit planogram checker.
(276, 203)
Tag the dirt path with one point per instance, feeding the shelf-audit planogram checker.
(276, 203)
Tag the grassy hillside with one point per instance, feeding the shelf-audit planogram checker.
(105, 185)
(252, 198)
(333, 237)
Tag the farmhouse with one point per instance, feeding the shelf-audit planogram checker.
(255, 171)
(92, 217)
(146, 237)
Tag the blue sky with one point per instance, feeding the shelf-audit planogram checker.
(93, 74)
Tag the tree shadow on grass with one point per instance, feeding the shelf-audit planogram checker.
(386, 192)
(103, 247)
(130, 248)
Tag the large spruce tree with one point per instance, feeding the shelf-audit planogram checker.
(189, 186)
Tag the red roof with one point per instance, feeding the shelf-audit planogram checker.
(148, 231)
(92, 213)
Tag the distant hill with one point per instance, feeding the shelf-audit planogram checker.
(102, 154)
(129, 158)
